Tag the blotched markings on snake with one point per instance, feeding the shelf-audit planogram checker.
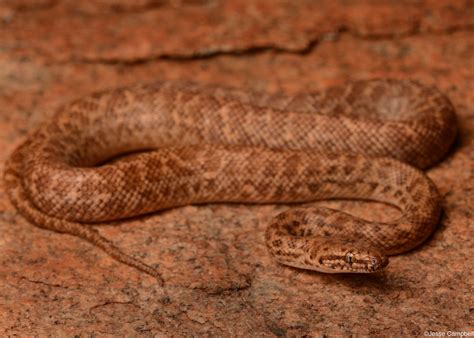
(212, 144)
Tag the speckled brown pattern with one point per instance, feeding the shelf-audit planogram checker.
(225, 145)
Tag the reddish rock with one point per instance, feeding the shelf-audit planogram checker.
(219, 278)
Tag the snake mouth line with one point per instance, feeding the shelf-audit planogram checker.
(339, 263)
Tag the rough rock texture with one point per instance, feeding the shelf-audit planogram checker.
(219, 278)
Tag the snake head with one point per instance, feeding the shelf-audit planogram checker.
(344, 258)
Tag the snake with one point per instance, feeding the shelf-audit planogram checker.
(143, 148)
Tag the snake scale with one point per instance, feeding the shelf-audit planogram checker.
(206, 144)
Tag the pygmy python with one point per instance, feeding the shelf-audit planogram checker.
(211, 144)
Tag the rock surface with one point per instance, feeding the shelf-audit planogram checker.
(219, 278)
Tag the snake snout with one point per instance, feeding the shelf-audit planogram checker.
(377, 263)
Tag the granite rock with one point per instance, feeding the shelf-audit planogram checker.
(219, 278)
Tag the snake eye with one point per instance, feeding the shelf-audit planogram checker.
(349, 257)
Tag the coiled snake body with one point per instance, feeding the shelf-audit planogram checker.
(225, 145)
